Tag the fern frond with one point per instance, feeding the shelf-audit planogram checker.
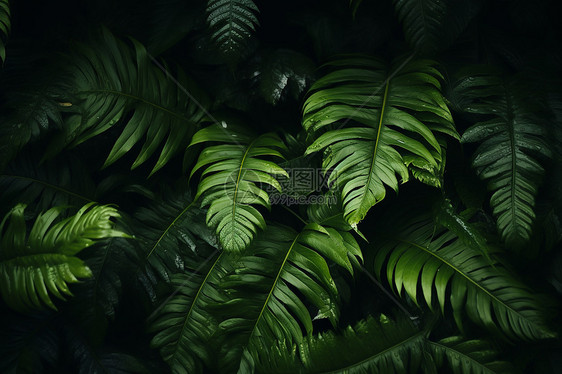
(370, 346)
(172, 237)
(232, 24)
(263, 304)
(393, 120)
(184, 324)
(60, 181)
(427, 261)
(512, 143)
(44, 262)
(422, 20)
(5, 25)
(229, 182)
(464, 356)
(113, 84)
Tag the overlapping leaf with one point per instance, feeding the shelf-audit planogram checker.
(263, 303)
(184, 324)
(384, 346)
(97, 299)
(368, 347)
(43, 263)
(113, 84)
(429, 263)
(512, 143)
(171, 238)
(465, 356)
(60, 181)
(390, 120)
(229, 182)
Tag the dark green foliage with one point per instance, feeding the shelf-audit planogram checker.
(232, 24)
(204, 186)
(513, 146)
(112, 83)
(5, 24)
(43, 263)
(399, 107)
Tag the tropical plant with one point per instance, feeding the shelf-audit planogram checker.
(4, 26)
(219, 186)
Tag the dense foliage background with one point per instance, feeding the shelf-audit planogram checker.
(220, 186)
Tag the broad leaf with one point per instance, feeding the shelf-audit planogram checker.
(28, 342)
(390, 117)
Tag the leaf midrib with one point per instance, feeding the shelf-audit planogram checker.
(137, 98)
(194, 301)
(237, 185)
(281, 268)
(511, 131)
(168, 228)
(49, 185)
(376, 147)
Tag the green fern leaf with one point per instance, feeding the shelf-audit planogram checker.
(233, 23)
(113, 84)
(229, 182)
(392, 116)
(368, 347)
(45, 262)
(170, 231)
(60, 181)
(464, 356)
(512, 143)
(428, 261)
(184, 325)
(262, 304)
(422, 21)
(5, 25)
